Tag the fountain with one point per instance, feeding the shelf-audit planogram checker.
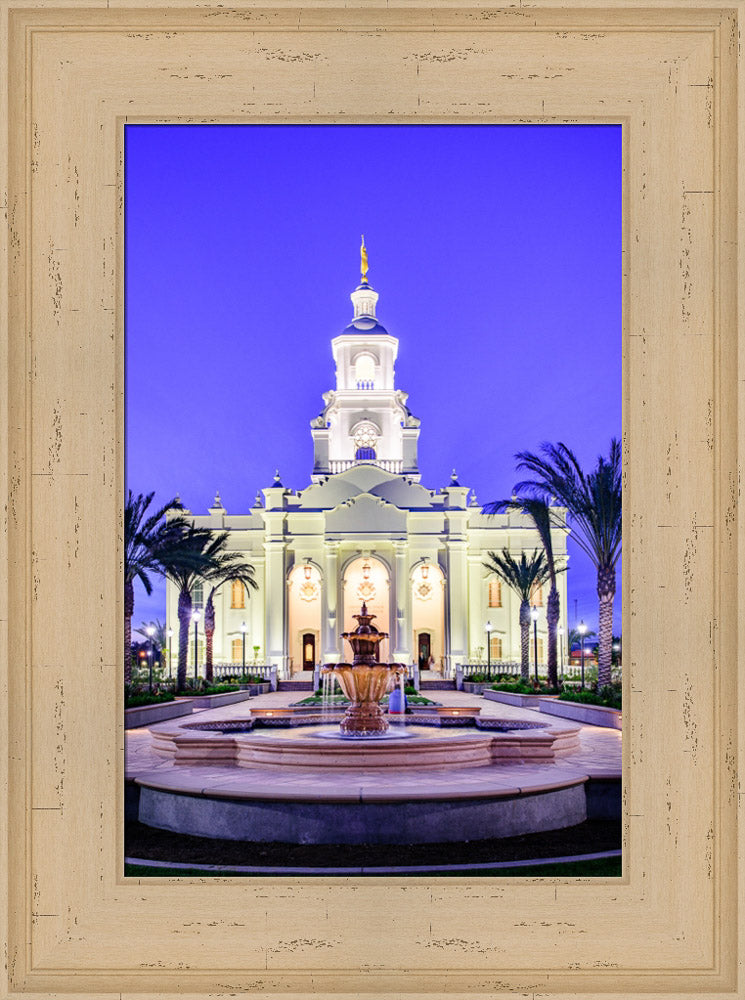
(365, 681)
(360, 782)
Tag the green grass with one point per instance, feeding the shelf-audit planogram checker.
(597, 868)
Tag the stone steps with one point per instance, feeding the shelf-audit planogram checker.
(299, 683)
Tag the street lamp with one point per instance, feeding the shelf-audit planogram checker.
(151, 632)
(617, 649)
(582, 628)
(195, 619)
(170, 634)
(488, 629)
(243, 630)
(534, 616)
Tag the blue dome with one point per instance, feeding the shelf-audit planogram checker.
(366, 325)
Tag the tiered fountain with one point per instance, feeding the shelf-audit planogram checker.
(365, 681)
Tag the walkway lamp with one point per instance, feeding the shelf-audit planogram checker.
(170, 634)
(561, 651)
(534, 616)
(195, 619)
(582, 628)
(243, 632)
(150, 633)
(488, 629)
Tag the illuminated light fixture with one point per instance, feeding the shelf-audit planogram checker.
(425, 570)
(366, 570)
(307, 569)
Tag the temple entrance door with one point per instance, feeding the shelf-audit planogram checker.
(309, 651)
(425, 649)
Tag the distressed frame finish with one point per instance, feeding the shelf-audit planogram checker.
(670, 927)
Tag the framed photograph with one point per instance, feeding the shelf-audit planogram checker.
(76, 77)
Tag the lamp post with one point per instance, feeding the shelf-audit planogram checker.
(170, 673)
(534, 616)
(617, 649)
(195, 619)
(582, 628)
(243, 632)
(150, 633)
(561, 651)
(488, 629)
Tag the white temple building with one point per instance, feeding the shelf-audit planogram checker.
(365, 529)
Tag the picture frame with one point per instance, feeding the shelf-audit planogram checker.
(75, 73)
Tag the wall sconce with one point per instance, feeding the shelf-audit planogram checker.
(425, 570)
(366, 570)
(307, 569)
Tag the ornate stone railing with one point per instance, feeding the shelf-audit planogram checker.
(386, 464)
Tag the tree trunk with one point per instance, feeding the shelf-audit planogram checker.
(525, 641)
(184, 624)
(553, 613)
(129, 608)
(606, 593)
(209, 631)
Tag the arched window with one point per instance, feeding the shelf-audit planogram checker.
(495, 593)
(197, 595)
(237, 595)
(365, 441)
(536, 596)
(364, 371)
(237, 650)
(495, 642)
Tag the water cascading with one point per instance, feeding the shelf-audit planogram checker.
(365, 681)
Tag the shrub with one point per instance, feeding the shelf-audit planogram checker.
(136, 699)
(608, 696)
(520, 687)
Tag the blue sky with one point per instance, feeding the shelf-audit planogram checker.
(496, 251)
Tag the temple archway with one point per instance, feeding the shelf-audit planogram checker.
(304, 618)
(367, 579)
(428, 616)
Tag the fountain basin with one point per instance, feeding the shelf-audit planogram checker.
(234, 742)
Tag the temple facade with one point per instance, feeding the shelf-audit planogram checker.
(366, 529)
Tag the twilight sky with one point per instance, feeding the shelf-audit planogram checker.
(496, 251)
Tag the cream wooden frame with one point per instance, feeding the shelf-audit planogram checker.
(76, 71)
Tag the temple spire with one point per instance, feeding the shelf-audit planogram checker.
(363, 261)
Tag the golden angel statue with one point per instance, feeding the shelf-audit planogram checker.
(363, 261)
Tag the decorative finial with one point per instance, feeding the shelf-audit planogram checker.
(217, 502)
(363, 261)
(257, 501)
(454, 479)
(277, 480)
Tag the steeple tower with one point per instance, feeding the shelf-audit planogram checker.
(365, 419)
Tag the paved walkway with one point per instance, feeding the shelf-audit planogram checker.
(599, 756)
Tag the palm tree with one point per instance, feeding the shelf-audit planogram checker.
(593, 501)
(232, 568)
(192, 555)
(540, 514)
(143, 534)
(522, 577)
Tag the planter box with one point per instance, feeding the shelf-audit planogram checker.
(519, 700)
(255, 689)
(216, 700)
(146, 715)
(474, 687)
(590, 715)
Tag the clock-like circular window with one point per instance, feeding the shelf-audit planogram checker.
(365, 441)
